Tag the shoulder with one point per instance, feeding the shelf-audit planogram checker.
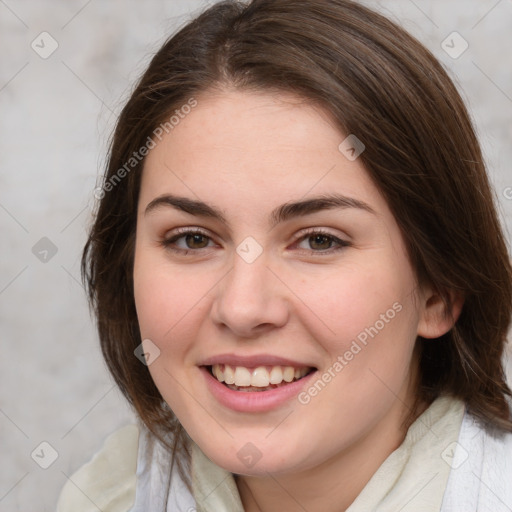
(496, 445)
(481, 470)
(497, 448)
(108, 481)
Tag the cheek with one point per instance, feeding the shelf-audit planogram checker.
(346, 303)
(166, 299)
(169, 306)
(366, 321)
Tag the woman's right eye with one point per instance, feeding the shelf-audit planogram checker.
(187, 240)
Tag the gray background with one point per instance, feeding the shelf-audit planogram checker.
(56, 115)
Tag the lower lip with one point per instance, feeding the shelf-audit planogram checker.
(254, 401)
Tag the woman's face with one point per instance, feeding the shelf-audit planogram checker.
(265, 253)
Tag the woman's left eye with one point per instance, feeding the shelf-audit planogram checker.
(322, 242)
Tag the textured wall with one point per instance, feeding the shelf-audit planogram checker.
(56, 115)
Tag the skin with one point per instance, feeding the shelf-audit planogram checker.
(247, 153)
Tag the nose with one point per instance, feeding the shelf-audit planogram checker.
(251, 299)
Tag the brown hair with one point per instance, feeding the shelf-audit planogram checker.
(378, 83)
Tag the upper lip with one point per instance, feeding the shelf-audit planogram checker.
(253, 361)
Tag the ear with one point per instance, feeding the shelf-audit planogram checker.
(439, 313)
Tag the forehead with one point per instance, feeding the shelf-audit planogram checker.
(251, 149)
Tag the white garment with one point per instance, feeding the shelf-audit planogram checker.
(107, 482)
(158, 489)
(481, 476)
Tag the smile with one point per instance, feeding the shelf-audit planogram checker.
(261, 378)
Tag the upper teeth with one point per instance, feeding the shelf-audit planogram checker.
(260, 377)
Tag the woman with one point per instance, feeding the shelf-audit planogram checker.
(299, 276)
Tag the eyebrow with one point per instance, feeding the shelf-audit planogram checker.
(280, 214)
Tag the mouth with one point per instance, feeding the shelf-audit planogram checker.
(258, 379)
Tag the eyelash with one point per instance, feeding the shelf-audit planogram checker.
(182, 232)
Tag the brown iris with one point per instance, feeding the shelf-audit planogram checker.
(320, 242)
(196, 241)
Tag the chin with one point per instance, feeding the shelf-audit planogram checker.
(245, 458)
